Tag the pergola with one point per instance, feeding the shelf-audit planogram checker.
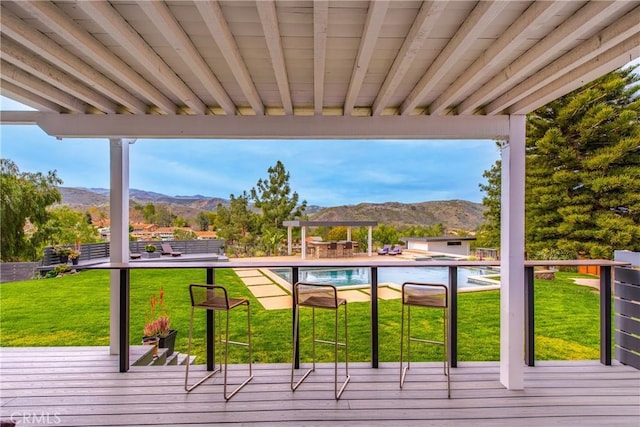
(333, 69)
(304, 224)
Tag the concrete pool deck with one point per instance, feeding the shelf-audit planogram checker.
(274, 293)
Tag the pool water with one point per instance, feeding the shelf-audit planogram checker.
(343, 277)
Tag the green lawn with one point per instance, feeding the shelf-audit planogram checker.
(74, 311)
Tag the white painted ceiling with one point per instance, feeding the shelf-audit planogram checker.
(127, 61)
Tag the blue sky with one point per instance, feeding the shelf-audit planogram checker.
(325, 173)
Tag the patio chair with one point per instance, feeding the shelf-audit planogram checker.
(215, 298)
(332, 250)
(397, 250)
(385, 250)
(425, 295)
(166, 249)
(347, 249)
(320, 296)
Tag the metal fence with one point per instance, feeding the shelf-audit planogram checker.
(15, 271)
(89, 251)
(627, 314)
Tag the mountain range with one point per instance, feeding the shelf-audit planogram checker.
(453, 214)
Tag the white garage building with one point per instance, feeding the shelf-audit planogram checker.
(447, 245)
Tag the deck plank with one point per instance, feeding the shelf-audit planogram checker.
(82, 386)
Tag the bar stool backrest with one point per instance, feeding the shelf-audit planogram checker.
(210, 297)
(425, 294)
(317, 295)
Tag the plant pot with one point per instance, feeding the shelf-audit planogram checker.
(154, 341)
(169, 341)
(64, 259)
(150, 254)
(74, 261)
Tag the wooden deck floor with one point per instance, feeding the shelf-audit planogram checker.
(82, 387)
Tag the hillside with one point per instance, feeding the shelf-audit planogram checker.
(453, 214)
(184, 206)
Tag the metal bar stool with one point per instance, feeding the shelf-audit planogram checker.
(321, 296)
(215, 298)
(427, 295)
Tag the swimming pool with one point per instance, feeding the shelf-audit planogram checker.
(357, 277)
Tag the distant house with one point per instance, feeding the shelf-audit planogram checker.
(448, 245)
(206, 235)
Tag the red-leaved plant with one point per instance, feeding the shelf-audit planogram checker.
(158, 323)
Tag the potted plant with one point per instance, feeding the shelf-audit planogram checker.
(150, 251)
(63, 253)
(157, 330)
(73, 256)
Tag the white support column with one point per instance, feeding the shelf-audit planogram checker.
(303, 237)
(370, 241)
(349, 234)
(512, 257)
(119, 227)
(289, 237)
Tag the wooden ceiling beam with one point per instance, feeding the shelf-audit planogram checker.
(602, 64)
(21, 58)
(422, 27)
(20, 78)
(503, 49)
(373, 25)
(611, 36)
(115, 25)
(219, 29)
(265, 127)
(473, 26)
(271, 29)
(320, 22)
(47, 49)
(102, 58)
(576, 25)
(30, 99)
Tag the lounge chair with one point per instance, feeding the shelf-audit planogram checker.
(397, 250)
(166, 249)
(385, 250)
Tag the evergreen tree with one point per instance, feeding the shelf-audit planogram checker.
(237, 224)
(203, 221)
(149, 213)
(583, 172)
(273, 197)
(24, 198)
(489, 231)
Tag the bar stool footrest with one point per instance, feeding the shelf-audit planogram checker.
(206, 377)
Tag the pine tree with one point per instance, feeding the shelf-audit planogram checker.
(489, 232)
(583, 172)
(274, 198)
